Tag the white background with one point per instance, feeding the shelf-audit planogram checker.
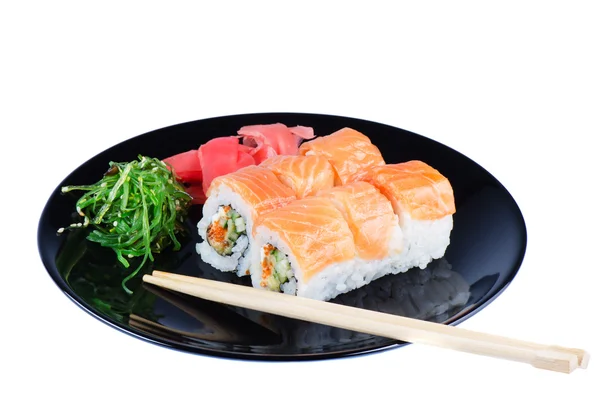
(515, 86)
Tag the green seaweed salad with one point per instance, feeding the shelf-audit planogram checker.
(137, 209)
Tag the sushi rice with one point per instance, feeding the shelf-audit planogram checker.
(238, 259)
(424, 241)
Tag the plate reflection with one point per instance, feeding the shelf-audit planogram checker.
(436, 293)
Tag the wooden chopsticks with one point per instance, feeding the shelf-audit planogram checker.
(554, 358)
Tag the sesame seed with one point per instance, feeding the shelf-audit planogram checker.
(62, 229)
(79, 224)
(130, 256)
(103, 184)
(115, 223)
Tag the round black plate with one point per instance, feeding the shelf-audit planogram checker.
(486, 249)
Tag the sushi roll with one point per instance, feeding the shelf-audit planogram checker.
(306, 175)
(233, 203)
(305, 248)
(423, 200)
(377, 234)
(350, 152)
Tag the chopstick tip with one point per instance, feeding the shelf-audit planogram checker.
(555, 360)
(585, 359)
(146, 277)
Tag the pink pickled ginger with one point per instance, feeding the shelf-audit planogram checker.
(223, 155)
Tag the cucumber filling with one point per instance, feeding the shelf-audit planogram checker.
(276, 269)
(226, 227)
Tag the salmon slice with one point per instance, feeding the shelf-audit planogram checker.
(315, 232)
(369, 215)
(350, 152)
(414, 188)
(259, 187)
(305, 175)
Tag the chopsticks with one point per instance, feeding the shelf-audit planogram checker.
(549, 357)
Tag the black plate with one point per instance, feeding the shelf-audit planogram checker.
(487, 246)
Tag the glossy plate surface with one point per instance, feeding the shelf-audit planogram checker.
(486, 250)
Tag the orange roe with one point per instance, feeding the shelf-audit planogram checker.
(216, 232)
(267, 269)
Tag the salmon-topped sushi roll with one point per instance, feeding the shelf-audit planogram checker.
(305, 248)
(423, 199)
(370, 217)
(377, 235)
(305, 175)
(350, 152)
(233, 203)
